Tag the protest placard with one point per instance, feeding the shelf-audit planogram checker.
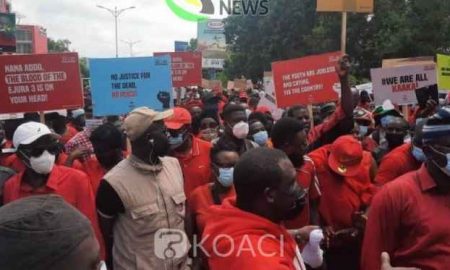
(230, 85)
(205, 83)
(269, 88)
(186, 68)
(307, 80)
(215, 85)
(92, 124)
(181, 46)
(411, 61)
(443, 62)
(268, 101)
(39, 82)
(119, 85)
(360, 6)
(249, 84)
(399, 84)
(212, 84)
(240, 84)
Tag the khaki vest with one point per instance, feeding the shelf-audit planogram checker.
(153, 198)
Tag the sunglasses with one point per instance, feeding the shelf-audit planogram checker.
(37, 151)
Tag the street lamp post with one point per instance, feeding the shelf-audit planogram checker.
(131, 45)
(116, 13)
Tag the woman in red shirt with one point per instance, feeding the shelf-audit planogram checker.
(223, 159)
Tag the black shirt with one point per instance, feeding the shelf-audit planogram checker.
(108, 201)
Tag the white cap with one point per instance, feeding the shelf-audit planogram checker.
(29, 132)
(77, 112)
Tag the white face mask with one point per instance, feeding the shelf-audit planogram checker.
(43, 164)
(240, 130)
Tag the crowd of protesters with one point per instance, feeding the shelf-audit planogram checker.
(218, 183)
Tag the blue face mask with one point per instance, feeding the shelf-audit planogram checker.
(418, 154)
(226, 176)
(176, 141)
(363, 130)
(261, 137)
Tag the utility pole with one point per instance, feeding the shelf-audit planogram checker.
(131, 45)
(116, 13)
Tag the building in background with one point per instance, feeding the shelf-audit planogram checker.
(7, 32)
(5, 6)
(31, 39)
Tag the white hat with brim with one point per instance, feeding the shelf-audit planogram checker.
(30, 132)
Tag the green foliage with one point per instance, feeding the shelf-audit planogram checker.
(192, 45)
(60, 45)
(293, 28)
(84, 69)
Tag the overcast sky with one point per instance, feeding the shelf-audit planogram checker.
(91, 30)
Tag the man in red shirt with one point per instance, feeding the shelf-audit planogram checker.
(403, 159)
(410, 216)
(288, 135)
(37, 147)
(344, 173)
(191, 152)
(246, 232)
(338, 123)
(15, 163)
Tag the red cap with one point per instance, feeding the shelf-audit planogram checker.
(263, 109)
(180, 117)
(243, 94)
(346, 154)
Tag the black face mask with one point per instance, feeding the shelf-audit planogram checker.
(297, 207)
(297, 160)
(394, 139)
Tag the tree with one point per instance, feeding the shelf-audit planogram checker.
(84, 69)
(192, 45)
(60, 45)
(293, 28)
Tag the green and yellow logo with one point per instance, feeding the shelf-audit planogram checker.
(185, 9)
(199, 10)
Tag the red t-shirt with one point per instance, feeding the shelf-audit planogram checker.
(369, 144)
(317, 132)
(409, 220)
(201, 199)
(236, 239)
(196, 166)
(396, 163)
(307, 179)
(341, 196)
(72, 185)
(16, 164)
(94, 171)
